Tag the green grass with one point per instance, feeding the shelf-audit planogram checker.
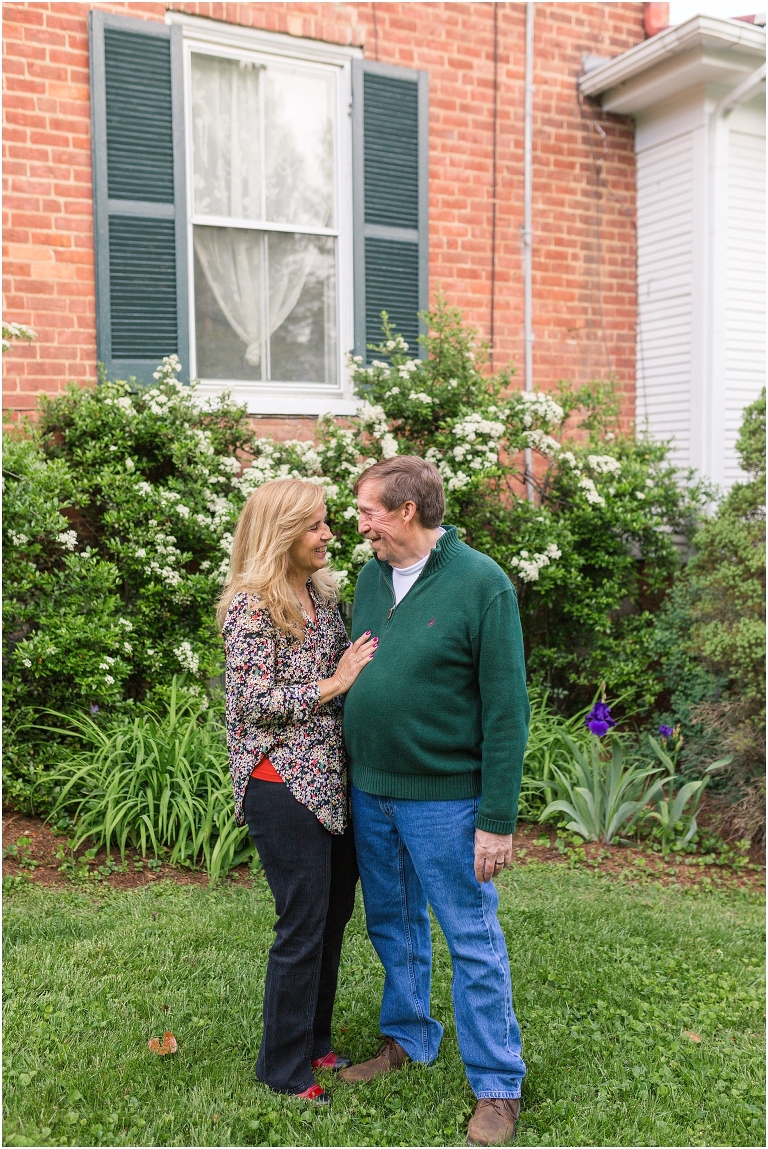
(606, 979)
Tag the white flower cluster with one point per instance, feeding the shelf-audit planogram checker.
(16, 331)
(203, 442)
(341, 578)
(187, 657)
(173, 498)
(591, 493)
(420, 397)
(330, 489)
(545, 444)
(538, 405)
(528, 566)
(601, 465)
(604, 464)
(123, 403)
(373, 419)
(18, 538)
(221, 510)
(388, 446)
(310, 456)
(410, 365)
(168, 554)
(477, 450)
(362, 553)
(229, 464)
(261, 470)
(168, 370)
(68, 539)
(157, 402)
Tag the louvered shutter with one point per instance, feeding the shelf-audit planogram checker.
(139, 198)
(390, 150)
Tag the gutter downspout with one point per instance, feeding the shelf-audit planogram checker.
(528, 227)
(714, 420)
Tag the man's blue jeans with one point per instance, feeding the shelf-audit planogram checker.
(411, 853)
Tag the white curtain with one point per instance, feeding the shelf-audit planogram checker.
(233, 261)
(226, 143)
(256, 277)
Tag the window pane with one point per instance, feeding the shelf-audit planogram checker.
(298, 129)
(302, 295)
(226, 137)
(265, 306)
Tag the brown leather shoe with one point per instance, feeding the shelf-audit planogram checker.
(494, 1121)
(390, 1055)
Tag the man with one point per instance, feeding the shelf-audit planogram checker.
(436, 730)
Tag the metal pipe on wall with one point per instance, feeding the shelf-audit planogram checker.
(528, 226)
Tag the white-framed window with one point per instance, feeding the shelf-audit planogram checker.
(259, 200)
(269, 210)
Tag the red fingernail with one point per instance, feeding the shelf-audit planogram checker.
(370, 655)
(367, 632)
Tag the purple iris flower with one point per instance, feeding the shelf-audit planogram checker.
(94, 708)
(666, 731)
(599, 719)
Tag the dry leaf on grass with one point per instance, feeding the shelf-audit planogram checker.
(167, 1045)
(692, 1036)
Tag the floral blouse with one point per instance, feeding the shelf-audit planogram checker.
(273, 708)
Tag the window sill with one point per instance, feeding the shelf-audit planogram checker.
(261, 401)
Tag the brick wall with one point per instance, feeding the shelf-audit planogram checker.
(584, 308)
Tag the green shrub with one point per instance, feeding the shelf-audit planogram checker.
(711, 637)
(120, 505)
(591, 557)
(157, 782)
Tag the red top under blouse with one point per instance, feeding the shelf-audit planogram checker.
(265, 772)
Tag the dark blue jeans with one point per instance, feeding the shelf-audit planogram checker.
(312, 875)
(413, 854)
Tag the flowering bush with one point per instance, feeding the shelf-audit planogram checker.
(592, 554)
(120, 506)
(117, 508)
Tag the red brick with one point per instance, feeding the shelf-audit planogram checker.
(47, 176)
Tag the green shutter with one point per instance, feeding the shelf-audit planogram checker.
(391, 131)
(390, 198)
(392, 285)
(139, 203)
(139, 110)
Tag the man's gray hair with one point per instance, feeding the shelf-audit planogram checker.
(409, 478)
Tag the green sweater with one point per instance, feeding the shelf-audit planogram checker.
(442, 710)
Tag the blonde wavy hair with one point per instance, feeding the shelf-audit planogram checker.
(275, 516)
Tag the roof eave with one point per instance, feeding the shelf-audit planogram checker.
(699, 32)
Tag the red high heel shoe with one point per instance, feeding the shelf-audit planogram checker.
(316, 1094)
(332, 1061)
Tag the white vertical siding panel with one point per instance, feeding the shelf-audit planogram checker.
(745, 286)
(665, 260)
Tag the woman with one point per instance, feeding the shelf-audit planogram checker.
(288, 664)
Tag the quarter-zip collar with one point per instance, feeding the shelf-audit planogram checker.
(445, 549)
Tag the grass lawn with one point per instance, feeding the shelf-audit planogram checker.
(608, 978)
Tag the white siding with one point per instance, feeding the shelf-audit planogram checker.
(745, 286)
(665, 291)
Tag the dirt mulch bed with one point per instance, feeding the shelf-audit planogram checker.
(46, 861)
